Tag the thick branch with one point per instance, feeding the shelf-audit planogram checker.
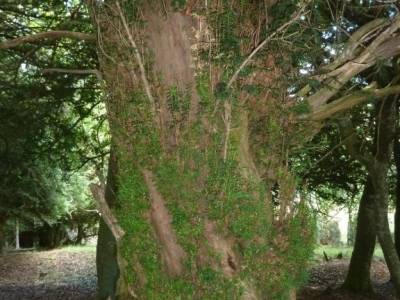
(105, 211)
(385, 45)
(355, 41)
(54, 35)
(349, 101)
(95, 72)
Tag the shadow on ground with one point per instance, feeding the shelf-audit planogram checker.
(67, 274)
(327, 277)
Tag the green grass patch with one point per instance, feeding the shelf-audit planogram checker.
(78, 248)
(333, 251)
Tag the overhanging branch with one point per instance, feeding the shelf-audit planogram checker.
(105, 211)
(53, 35)
(349, 101)
(373, 42)
(95, 72)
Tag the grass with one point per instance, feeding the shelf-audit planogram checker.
(78, 248)
(333, 251)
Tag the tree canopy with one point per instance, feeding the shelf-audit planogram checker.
(222, 114)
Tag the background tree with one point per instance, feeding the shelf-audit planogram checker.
(52, 122)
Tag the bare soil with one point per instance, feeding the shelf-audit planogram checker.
(327, 277)
(67, 274)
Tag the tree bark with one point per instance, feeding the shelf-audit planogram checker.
(377, 165)
(53, 35)
(186, 209)
(358, 277)
(350, 226)
(194, 181)
(106, 254)
(17, 247)
(80, 235)
(378, 168)
(396, 152)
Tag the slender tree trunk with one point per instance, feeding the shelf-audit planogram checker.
(3, 221)
(17, 247)
(350, 227)
(358, 277)
(80, 235)
(383, 231)
(396, 152)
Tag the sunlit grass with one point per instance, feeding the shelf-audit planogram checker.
(78, 248)
(333, 251)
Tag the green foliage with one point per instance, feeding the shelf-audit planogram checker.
(52, 123)
(132, 11)
(179, 103)
(294, 245)
(178, 4)
(301, 108)
(204, 92)
(191, 176)
(333, 251)
(254, 90)
(221, 91)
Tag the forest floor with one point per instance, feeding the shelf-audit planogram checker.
(326, 278)
(68, 273)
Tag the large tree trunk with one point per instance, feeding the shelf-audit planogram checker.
(193, 205)
(358, 277)
(200, 145)
(378, 168)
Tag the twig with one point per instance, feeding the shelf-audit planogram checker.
(56, 34)
(138, 59)
(294, 18)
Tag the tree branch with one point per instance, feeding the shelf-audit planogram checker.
(53, 35)
(386, 44)
(292, 20)
(95, 72)
(105, 211)
(349, 101)
(139, 60)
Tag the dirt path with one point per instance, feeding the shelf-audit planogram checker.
(326, 278)
(67, 274)
(70, 274)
